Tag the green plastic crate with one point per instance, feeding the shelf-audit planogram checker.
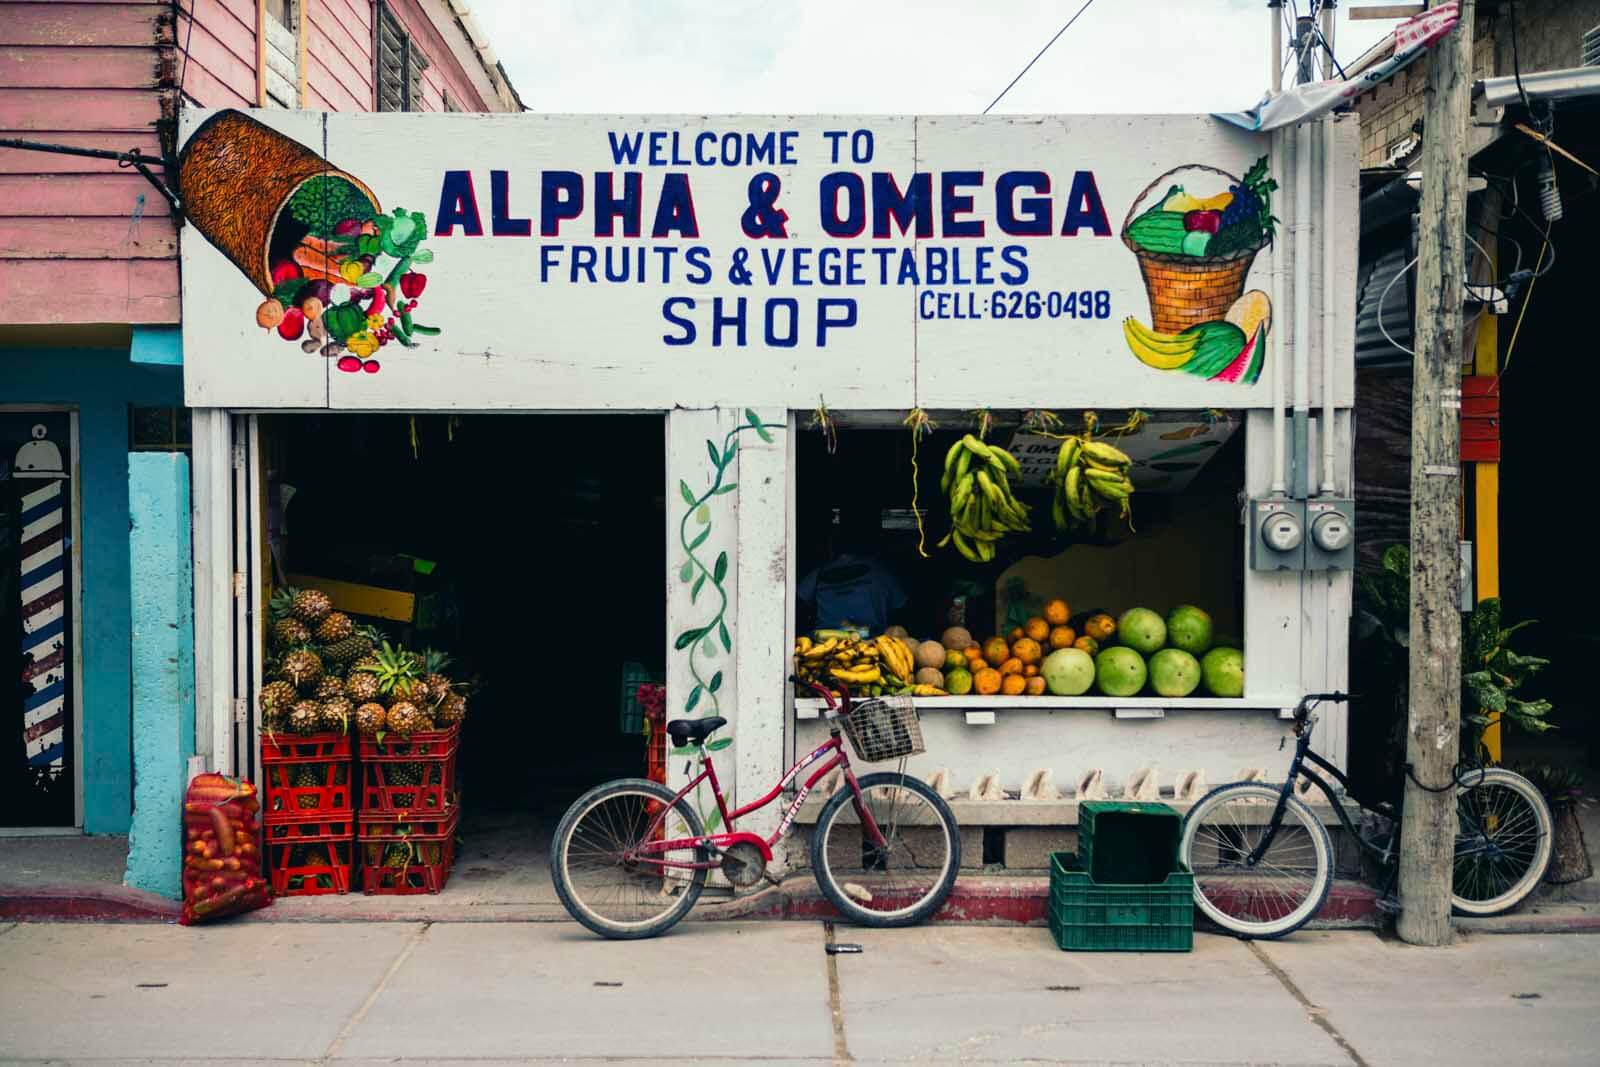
(1122, 842)
(1086, 916)
(632, 713)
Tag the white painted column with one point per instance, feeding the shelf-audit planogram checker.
(212, 510)
(761, 643)
(702, 577)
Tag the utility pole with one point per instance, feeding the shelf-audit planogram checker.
(1433, 733)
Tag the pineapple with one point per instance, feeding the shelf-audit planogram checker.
(328, 689)
(352, 649)
(451, 710)
(434, 663)
(306, 776)
(277, 696)
(397, 674)
(411, 691)
(366, 662)
(336, 627)
(335, 714)
(290, 633)
(361, 687)
(311, 606)
(305, 717)
(406, 719)
(371, 718)
(302, 668)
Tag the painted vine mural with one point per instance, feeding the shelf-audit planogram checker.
(704, 642)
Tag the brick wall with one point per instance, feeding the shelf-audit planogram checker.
(1549, 37)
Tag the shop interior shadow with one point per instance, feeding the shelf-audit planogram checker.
(547, 539)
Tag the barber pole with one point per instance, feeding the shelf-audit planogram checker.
(42, 495)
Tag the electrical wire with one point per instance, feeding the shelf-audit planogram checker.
(1035, 59)
(183, 72)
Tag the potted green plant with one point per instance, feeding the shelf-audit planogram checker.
(1563, 791)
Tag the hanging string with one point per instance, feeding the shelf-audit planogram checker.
(1132, 424)
(1090, 422)
(1215, 415)
(821, 420)
(982, 422)
(920, 425)
(416, 452)
(1044, 423)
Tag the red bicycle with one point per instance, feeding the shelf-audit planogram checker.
(631, 857)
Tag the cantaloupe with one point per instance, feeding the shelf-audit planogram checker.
(930, 676)
(930, 654)
(896, 631)
(957, 637)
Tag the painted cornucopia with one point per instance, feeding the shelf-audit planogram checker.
(337, 270)
(1194, 252)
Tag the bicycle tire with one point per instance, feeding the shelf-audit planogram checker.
(1317, 835)
(1538, 862)
(835, 892)
(571, 899)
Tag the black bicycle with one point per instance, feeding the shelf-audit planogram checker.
(1263, 860)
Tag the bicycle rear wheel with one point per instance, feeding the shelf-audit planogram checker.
(601, 884)
(1284, 888)
(903, 882)
(1503, 842)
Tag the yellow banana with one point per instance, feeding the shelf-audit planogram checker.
(923, 690)
(1154, 357)
(1006, 459)
(1067, 455)
(991, 492)
(976, 447)
(824, 649)
(961, 493)
(1106, 455)
(1168, 343)
(964, 548)
(802, 644)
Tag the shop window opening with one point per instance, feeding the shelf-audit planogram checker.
(860, 565)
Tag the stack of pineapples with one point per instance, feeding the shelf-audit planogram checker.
(327, 675)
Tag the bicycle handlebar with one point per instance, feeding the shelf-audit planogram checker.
(822, 691)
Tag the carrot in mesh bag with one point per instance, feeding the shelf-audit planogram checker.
(222, 850)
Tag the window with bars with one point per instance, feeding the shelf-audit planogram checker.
(399, 63)
(158, 429)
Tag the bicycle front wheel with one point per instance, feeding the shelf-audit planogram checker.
(598, 876)
(1503, 842)
(901, 882)
(1283, 888)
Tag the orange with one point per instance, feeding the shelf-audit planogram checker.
(974, 654)
(1087, 644)
(1037, 628)
(986, 681)
(1016, 634)
(1030, 670)
(1035, 687)
(1013, 685)
(1057, 612)
(1027, 650)
(1062, 637)
(996, 651)
(1011, 666)
(1101, 627)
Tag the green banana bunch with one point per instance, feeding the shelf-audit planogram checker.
(1089, 476)
(977, 483)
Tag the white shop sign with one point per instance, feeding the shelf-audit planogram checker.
(646, 262)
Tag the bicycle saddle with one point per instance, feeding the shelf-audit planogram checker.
(686, 731)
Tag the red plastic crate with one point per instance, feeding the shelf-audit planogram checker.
(655, 757)
(331, 794)
(401, 858)
(298, 748)
(312, 868)
(429, 743)
(290, 827)
(410, 777)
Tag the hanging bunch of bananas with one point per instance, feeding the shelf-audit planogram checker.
(1089, 476)
(977, 482)
(867, 666)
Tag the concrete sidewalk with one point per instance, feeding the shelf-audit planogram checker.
(769, 992)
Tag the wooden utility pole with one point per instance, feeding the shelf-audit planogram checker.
(1428, 825)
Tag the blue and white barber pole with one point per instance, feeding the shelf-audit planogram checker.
(42, 486)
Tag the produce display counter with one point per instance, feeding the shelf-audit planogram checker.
(1055, 813)
(980, 710)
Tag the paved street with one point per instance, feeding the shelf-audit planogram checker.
(548, 992)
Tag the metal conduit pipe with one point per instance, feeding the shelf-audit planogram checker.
(1275, 354)
(1328, 299)
(1301, 229)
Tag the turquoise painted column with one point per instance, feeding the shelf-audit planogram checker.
(162, 572)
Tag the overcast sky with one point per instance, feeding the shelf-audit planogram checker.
(888, 56)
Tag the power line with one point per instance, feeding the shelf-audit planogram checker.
(1035, 59)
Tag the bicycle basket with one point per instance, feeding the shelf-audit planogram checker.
(884, 728)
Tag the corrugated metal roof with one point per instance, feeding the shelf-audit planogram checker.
(1373, 349)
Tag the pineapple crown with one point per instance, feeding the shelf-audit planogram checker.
(282, 602)
(434, 661)
(392, 665)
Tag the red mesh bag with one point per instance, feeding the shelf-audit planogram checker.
(221, 850)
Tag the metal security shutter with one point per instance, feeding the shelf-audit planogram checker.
(1591, 48)
(398, 64)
